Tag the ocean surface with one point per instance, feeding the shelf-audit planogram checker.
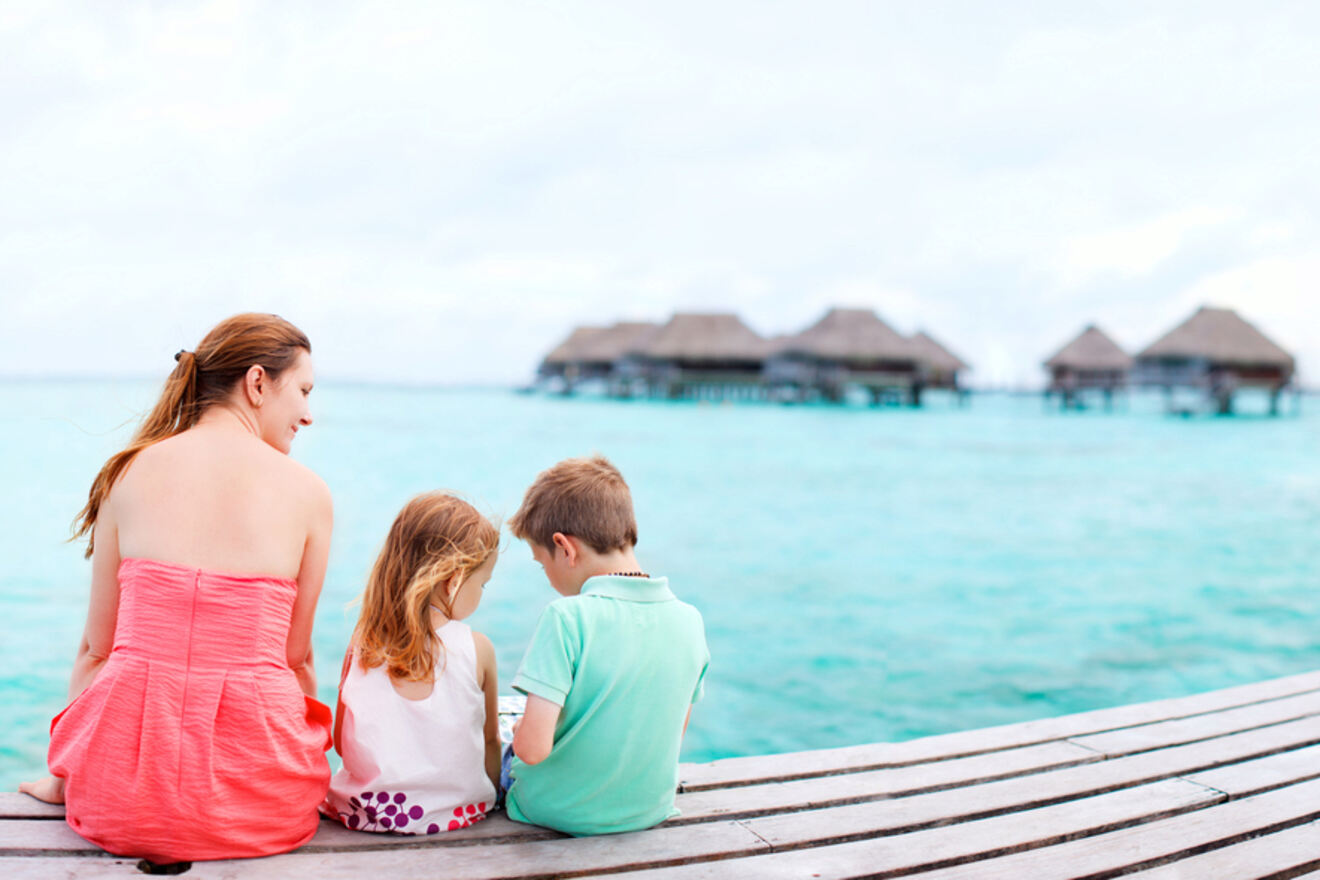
(865, 575)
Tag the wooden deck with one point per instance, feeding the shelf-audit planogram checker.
(1218, 785)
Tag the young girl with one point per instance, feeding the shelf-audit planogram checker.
(417, 724)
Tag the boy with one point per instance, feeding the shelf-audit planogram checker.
(613, 667)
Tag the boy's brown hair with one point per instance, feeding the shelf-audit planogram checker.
(583, 497)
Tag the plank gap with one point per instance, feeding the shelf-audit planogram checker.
(1294, 872)
(1265, 788)
(1163, 746)
(969, 753)
(1170, 858)
(990, 854)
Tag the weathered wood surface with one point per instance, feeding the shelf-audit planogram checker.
(1224, 784)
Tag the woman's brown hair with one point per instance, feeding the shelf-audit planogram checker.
(436, 537)
(200, 379)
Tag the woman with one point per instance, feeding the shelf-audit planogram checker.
(192, 730)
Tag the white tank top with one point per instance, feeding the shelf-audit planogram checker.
(414, 766)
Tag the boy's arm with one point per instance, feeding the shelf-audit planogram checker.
(546, 676)
(488, 677)
(535, 735)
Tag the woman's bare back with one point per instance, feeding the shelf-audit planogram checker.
(215, 497)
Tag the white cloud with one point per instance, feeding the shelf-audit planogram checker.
(1133, 249)
(442, 190)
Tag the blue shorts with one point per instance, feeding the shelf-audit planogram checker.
(506, 774)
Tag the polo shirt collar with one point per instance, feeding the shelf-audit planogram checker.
(632, 589)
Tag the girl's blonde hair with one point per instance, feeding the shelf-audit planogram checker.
(434, 538)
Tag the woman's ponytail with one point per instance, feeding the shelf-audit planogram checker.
(199, 379)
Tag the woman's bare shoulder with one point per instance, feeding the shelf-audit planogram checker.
(151, 463)
(302, 480)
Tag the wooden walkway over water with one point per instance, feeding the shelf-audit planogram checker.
(1218, 785)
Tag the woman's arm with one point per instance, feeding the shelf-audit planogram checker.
(103, 607)
(311, 575)
(98, 633)
(488, 677)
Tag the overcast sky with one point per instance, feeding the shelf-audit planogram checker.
(439, 191)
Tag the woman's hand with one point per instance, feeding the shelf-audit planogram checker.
(50, 789)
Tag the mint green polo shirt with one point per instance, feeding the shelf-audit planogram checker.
(624, 660)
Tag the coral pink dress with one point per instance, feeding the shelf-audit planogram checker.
(194, 741)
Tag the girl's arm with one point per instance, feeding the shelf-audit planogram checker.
(488, 678)
(311, 575)
(98, 633)
(339, 701)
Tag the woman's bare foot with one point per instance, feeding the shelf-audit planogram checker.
(50, 789)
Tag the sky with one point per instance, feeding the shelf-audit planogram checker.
(438, 192)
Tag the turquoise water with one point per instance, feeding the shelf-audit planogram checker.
(864, 575)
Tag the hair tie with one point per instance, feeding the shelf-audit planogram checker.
(180, 353)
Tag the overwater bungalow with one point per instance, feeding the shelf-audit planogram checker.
(1090, 362)
(602, 354)
(942, 366)
(847, 347)
(713, 356)
(593, 353)
(1217, 352)
(564, 364)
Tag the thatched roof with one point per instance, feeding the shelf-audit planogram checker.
(570, 350)
(1220, 336)
(1092, 349)
(936, 354)
(614, 342)
(851, 335)
(705, 337)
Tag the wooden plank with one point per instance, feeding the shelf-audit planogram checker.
(1165, 733)
(1148, 845)
(1015, 793)
(1290, 850)
(561, 857)
(899, 855)
(930, 793)
(1251, 777)
(73, 867)
(889, 815)
(890, 782)
(1103, 854)
(30, 836)
(910, 784)
(795, 765)
(1016, 829)
(20, 806)
(941, 806)
(494, 829)
(33, 836)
